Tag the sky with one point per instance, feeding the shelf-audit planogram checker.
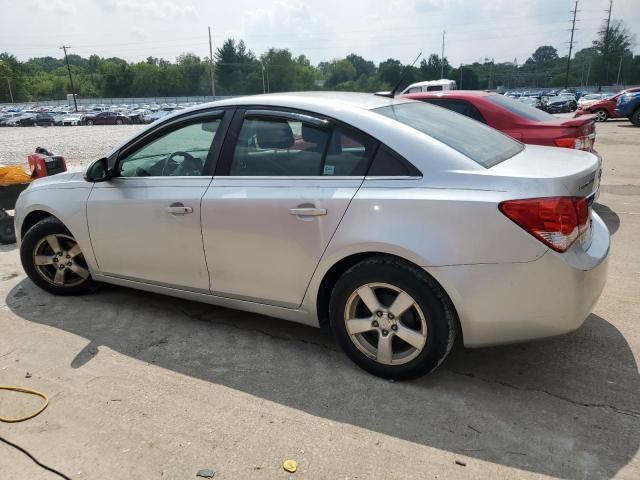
(504, 30)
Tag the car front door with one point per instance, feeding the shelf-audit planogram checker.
(145, 221)
(282, 186)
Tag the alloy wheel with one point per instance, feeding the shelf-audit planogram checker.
(601, 116)
(59, 261)
(385, 323)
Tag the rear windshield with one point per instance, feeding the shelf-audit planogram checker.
(521, 109)
(480, 143)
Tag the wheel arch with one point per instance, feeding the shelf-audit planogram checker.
(332, 275)
(32, 218)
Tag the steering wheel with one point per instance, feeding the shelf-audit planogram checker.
(185, 155)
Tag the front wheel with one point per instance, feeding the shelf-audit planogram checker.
(118, 122)
(7, 230)
(635, 118)
(89, 122)
(53, 260)
(391, 318)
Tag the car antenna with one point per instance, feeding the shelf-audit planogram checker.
(395, 89)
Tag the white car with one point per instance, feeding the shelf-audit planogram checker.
(398, 224)
(72, 119)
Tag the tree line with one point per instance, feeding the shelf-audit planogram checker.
(238, 71)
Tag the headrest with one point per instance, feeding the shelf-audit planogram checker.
(274, 134)
(314, 135)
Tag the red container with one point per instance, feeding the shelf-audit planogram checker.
(43, 163)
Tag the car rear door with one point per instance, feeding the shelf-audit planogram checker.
(145, 222)
(282, 186)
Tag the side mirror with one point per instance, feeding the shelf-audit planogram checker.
(98, 171)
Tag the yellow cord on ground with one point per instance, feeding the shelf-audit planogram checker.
(30, 392)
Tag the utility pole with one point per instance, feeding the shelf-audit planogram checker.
(606, 42)
(442, 57)
(10, 92)
(213, 82)
(73, 90)
(619, 70)
(573, 27)
(586, 84)
(460, 76)
(264, 90)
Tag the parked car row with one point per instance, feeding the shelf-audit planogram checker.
(23, 116)
(605, 108)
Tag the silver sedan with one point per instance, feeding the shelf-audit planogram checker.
(398, 224)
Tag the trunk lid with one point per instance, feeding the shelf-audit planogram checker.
(577, 171)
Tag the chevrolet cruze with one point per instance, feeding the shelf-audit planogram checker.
(400, 225)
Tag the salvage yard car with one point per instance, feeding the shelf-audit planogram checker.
(398, 224)
(604, 108)
(517, 119)
(104, 118)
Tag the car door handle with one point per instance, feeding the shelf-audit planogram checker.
(308, 211)
(178, 209)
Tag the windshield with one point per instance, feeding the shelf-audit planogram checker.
(480, 143)
(521, 109)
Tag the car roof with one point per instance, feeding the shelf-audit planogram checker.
(450, 93)
(365, 101)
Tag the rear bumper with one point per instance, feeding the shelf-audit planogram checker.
(515, 302)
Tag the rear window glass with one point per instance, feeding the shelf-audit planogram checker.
(521, 109)
(480, 143)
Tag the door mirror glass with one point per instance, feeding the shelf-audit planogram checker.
(98, 171)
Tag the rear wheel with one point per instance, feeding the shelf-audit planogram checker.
(52, 259)
(89, 122)
(601, 115)
(391, 318)
(635, 118)
(118, 122)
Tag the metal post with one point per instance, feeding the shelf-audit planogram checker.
(213, 82)
(460, 76)
(606, 43)
(442, 57)
(573, 27)
(73, 90)
(586, 84)
(264, 90)
(619, 70)
(10, 92)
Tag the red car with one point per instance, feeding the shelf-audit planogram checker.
(605, 108)
(516, 119)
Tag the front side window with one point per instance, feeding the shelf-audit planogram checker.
(279, 147)
(480, 143)
(178, 153)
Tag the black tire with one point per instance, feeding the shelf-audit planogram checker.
(439, 315)
(118, 122)
(7, 230)
(635, 117)
(34, 236)
(601, 115)
(89, 122)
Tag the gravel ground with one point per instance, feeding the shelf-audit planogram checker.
(78, 145)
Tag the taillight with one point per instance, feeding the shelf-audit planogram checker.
(578, 143)
(555, 221)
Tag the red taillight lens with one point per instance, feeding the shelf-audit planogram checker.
(555, 221)
(577, 143)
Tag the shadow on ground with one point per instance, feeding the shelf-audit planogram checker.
(567, 407)
(610, 218)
